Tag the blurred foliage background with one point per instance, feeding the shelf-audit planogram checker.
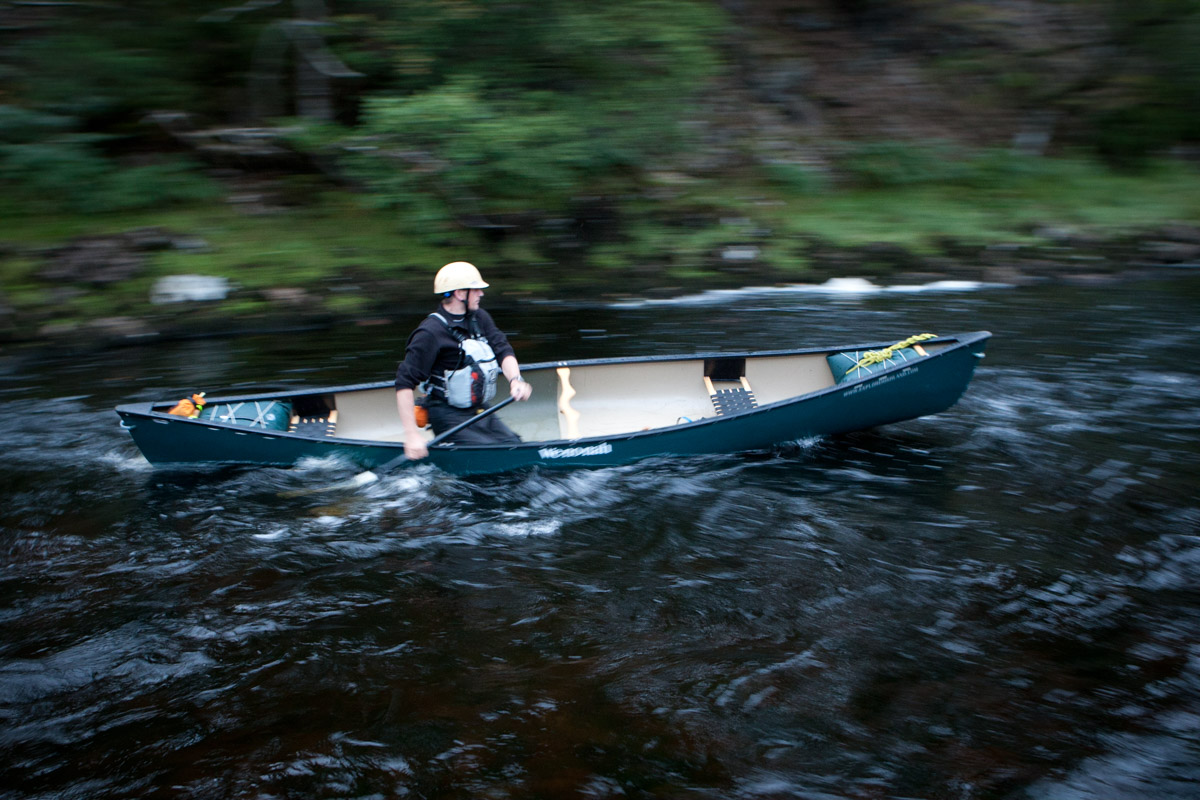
(384, 135)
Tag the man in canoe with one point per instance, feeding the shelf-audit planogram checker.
(455, 355)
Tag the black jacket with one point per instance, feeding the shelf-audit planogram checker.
(433, 349)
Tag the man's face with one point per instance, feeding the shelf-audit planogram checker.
(473, 298)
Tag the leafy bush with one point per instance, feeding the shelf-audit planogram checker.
(21, 125)
(65, 172)
(1159, 99)
(167, 182)
(1128, 136)
(516, 107)
(53, 173)
(896, 165)
(879, 165)
(85, 76)
(796, 178)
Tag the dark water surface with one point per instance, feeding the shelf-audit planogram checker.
(1002, 601)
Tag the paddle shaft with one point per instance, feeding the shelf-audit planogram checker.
(441, 437)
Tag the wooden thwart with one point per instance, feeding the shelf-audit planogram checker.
(570, 429)
(737, 396)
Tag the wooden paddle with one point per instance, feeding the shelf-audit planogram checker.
(363, 478)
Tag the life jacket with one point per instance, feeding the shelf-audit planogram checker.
(189, 407)
(473, 382)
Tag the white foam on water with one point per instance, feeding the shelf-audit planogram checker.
(841, 286)
(947, 286)
(123, 462)
(401, 489)
(834, 287)
(278, 533)
(319, 464)
(531, 528)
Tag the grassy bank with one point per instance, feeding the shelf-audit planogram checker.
(331, 255)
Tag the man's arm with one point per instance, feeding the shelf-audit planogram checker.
(517, 385)
(414, 442)
(505, 354)
(418, 362)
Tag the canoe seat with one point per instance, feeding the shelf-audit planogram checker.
(314, 426)
(730, 397)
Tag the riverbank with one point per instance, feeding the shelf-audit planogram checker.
(197, 306)
(264, 258)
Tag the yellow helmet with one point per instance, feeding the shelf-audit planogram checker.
(457, 275)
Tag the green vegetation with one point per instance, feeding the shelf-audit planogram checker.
(633, 142)
(333, 244)
(1160, 70)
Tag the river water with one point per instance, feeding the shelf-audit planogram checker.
(1001, 601)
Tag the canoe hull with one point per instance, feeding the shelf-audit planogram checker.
(914, 389)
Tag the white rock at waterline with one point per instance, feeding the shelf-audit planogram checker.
(189, 288)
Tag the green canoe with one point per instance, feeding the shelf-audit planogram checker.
(597, 412)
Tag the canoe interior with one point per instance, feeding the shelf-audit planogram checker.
(585, 400)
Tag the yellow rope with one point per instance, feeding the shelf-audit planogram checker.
(880, 356)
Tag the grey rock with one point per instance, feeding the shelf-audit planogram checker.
(96, 260)
(121, 328)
